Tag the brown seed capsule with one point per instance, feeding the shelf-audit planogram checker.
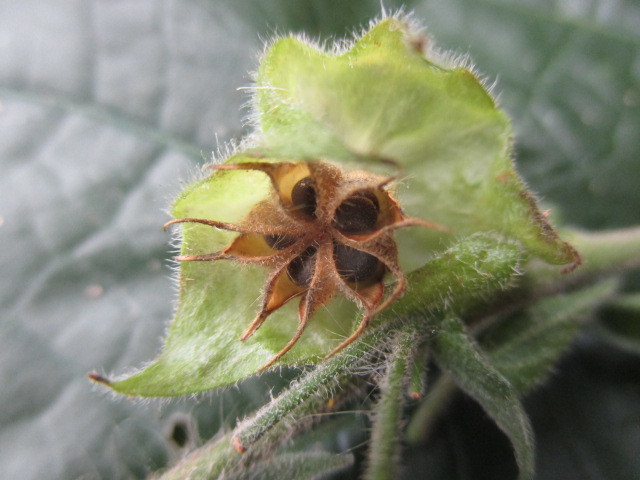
(328, 230)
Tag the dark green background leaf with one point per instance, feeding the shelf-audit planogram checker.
(474, 373)
(568, 75)
(105, 106)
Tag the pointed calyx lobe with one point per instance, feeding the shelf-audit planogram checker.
(322, 231)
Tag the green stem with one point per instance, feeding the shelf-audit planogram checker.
(612, 249)
(211, 461)
(417, 372)
(384, 453)
(630, 302)
(317, 384)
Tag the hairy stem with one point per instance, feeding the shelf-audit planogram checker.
(417, 372)
(318, 383)
(386, 435)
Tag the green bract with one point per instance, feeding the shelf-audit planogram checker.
(380, 102)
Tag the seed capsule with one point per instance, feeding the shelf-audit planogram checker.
(318, 208)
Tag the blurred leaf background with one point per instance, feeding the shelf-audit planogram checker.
(108, 107)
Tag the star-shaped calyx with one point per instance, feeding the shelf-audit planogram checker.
(322, 230)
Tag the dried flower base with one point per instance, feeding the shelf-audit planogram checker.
(323, 230)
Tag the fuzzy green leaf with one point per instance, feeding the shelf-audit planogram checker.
(475, 266)
(382, 99)
(524, 347)
(458, 353)
(441, 125)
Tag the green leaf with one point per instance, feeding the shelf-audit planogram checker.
(383, 100)
(192, 361)
(474, 373)
(524, 347)
(566, 75)
(458, 157)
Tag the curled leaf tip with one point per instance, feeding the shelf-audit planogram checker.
(97, 378)
(577, 259)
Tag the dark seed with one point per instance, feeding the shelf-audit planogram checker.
(180, 434)
(303, 196)
(355, 265)
(280, 241)
(357, 214)
(301, 268)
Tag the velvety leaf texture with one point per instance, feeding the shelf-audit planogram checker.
(440, 125)
(524, 348)
(107, 110)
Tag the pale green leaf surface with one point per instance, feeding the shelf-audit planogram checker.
(382, 100)
(193, 361)
(567, 73)
(103, 109)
